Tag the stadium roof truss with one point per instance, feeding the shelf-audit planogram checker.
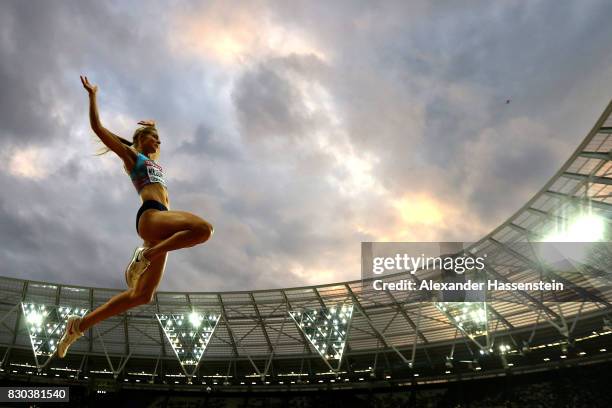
(257, 334)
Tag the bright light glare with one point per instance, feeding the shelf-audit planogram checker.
(585, 228)
(195, 319)
(579, 235)
(35, 318)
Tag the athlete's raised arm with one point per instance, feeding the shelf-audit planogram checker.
(112, 141)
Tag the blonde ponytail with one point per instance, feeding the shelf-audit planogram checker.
(104, 149)
(140, 131)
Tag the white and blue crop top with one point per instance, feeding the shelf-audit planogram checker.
(145, 172)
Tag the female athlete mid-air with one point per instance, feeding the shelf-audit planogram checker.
(161, 230)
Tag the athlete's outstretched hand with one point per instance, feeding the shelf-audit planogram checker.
(148, 122)
(91, 89)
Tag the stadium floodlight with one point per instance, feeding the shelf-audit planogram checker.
(471, 318)
(326, 329)
(46, 324)
(587, 227)
(448, 362)
(503, 350)
(575, 239)
(188, 336)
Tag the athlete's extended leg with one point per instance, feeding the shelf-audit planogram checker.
(141, 294)
(172, 230)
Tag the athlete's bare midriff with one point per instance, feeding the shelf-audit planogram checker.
(156, 192)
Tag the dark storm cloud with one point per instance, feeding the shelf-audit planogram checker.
(504, 158)
(68, 242)
(268, 105)
(212, 144)
(42, 43)
(17, 234)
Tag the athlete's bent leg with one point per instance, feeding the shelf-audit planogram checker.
(142, 293)
(173, 230)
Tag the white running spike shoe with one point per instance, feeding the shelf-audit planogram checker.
(138, 265)
(71, 335)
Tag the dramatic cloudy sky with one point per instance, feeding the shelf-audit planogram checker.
(298, 129)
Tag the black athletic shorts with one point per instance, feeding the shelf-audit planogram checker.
(148, 205)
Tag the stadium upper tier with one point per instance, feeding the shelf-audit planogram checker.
(270, 335)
